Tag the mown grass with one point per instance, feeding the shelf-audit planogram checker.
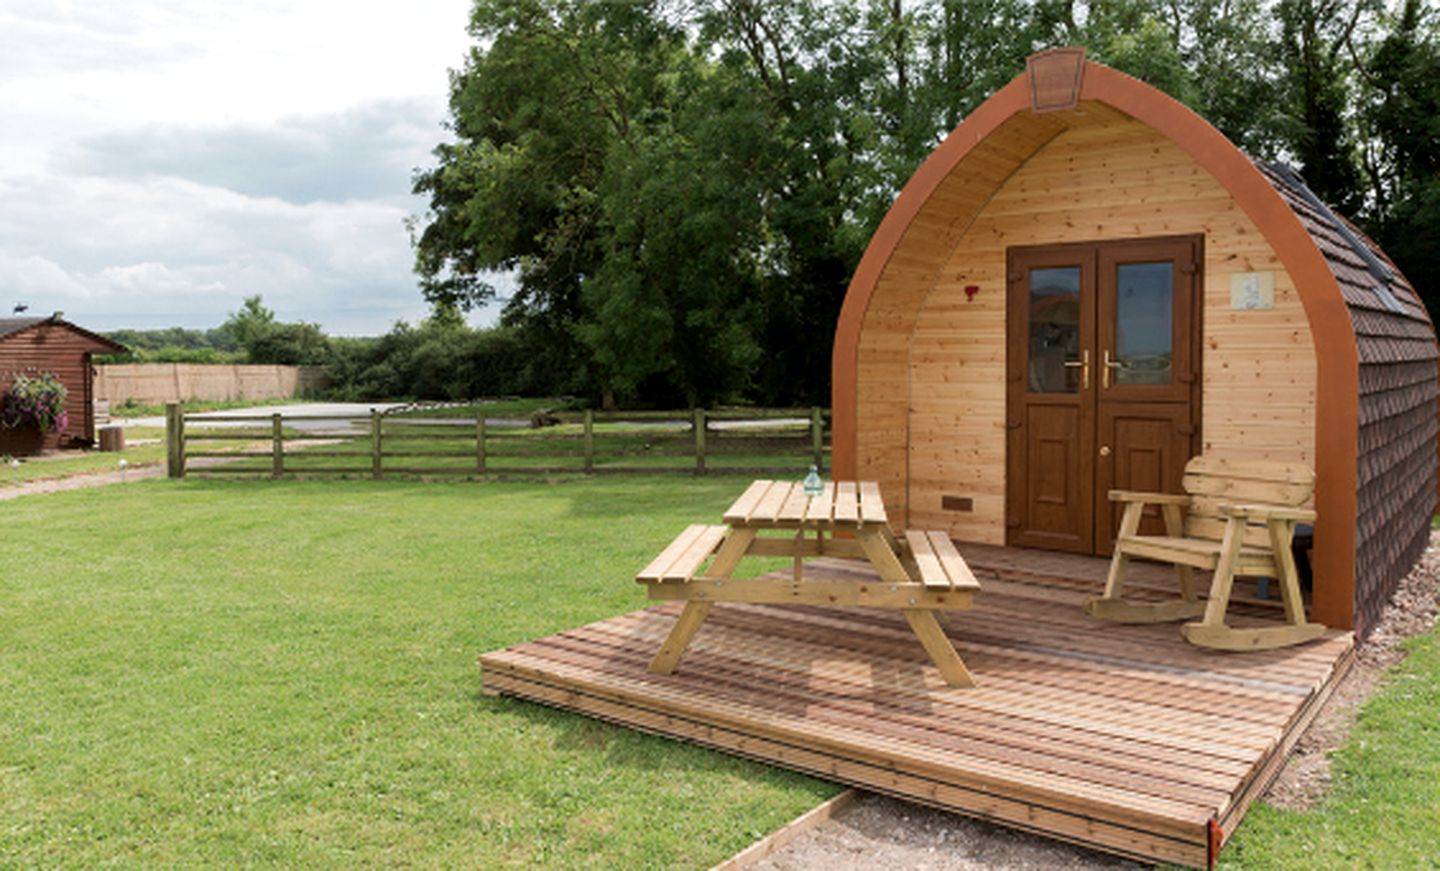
(1383, 810)
(282, 674)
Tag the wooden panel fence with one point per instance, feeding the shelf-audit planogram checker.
(699, 442)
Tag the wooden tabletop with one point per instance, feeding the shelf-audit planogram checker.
(784, 505)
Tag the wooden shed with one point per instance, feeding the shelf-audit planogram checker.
(1085, 285)
(30, 346)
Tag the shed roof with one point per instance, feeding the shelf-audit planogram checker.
(15, 325)
(11, 326)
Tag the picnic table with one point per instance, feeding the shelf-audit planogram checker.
(918, 573)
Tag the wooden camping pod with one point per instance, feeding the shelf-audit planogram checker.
(925, 360)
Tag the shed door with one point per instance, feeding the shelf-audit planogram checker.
(1103, 354)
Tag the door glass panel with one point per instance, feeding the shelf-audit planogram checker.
(1143, 303)
(1055, 330)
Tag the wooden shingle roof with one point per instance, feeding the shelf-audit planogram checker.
(1398, 358)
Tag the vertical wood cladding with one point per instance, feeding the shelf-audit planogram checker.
(57, 347)
(1115, 180)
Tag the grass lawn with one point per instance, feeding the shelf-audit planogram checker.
(1384, 809)
(283, 674)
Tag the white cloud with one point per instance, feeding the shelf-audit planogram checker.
(27, 276)
(365, 152)
(161, 159)
(124, 253)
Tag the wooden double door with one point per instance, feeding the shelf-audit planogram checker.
(1103, 392)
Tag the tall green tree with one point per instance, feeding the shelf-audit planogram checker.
(1401, 113)
(684, 189)
(555, 94)
(802, 77)
(1316, 36)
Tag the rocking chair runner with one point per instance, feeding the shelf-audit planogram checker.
(1238, 519)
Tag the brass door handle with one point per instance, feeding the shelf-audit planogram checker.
(1104, 450)
(1084, 366)
(1110, 364)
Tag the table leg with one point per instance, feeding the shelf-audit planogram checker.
(731, 550)
(932, 638)
(799, 560)
(680, 637)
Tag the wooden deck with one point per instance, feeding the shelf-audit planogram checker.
(1120, 738)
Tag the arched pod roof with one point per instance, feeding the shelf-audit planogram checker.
(940, 201)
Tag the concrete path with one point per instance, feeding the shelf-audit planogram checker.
(343, 412)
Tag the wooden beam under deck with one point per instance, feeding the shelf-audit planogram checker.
(1119, 738)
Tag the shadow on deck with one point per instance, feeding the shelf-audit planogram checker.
(1120, 738)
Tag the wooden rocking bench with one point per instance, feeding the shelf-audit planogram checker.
(1236, 518)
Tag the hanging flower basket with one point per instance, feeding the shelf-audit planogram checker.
(37, 403)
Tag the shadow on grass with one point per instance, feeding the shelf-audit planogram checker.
(628, 748)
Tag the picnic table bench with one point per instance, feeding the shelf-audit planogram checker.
(918, 573)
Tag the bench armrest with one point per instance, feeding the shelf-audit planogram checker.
(1267, 512)
(1151, 498)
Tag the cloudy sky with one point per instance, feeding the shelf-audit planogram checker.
(160, 160)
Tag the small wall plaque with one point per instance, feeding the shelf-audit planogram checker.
(1252, 290)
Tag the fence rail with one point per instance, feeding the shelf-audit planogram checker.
(765, 441)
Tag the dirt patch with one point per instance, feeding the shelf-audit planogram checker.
(80, 482)
(880, 832)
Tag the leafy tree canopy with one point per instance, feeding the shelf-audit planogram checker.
(684, 189)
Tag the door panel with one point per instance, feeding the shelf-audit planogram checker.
(1149, 447)
(1057, 488)
(1102, 361)
(1050, 475)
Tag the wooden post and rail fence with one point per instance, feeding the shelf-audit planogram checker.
(698, 442)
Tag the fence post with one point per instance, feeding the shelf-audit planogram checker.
(480, 441)
(699, 441)
(375, 470)
(817, 437)
(589, 442)
(277, 447)
(174, 451)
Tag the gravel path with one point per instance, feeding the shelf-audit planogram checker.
(879, 832)
(80, 482)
